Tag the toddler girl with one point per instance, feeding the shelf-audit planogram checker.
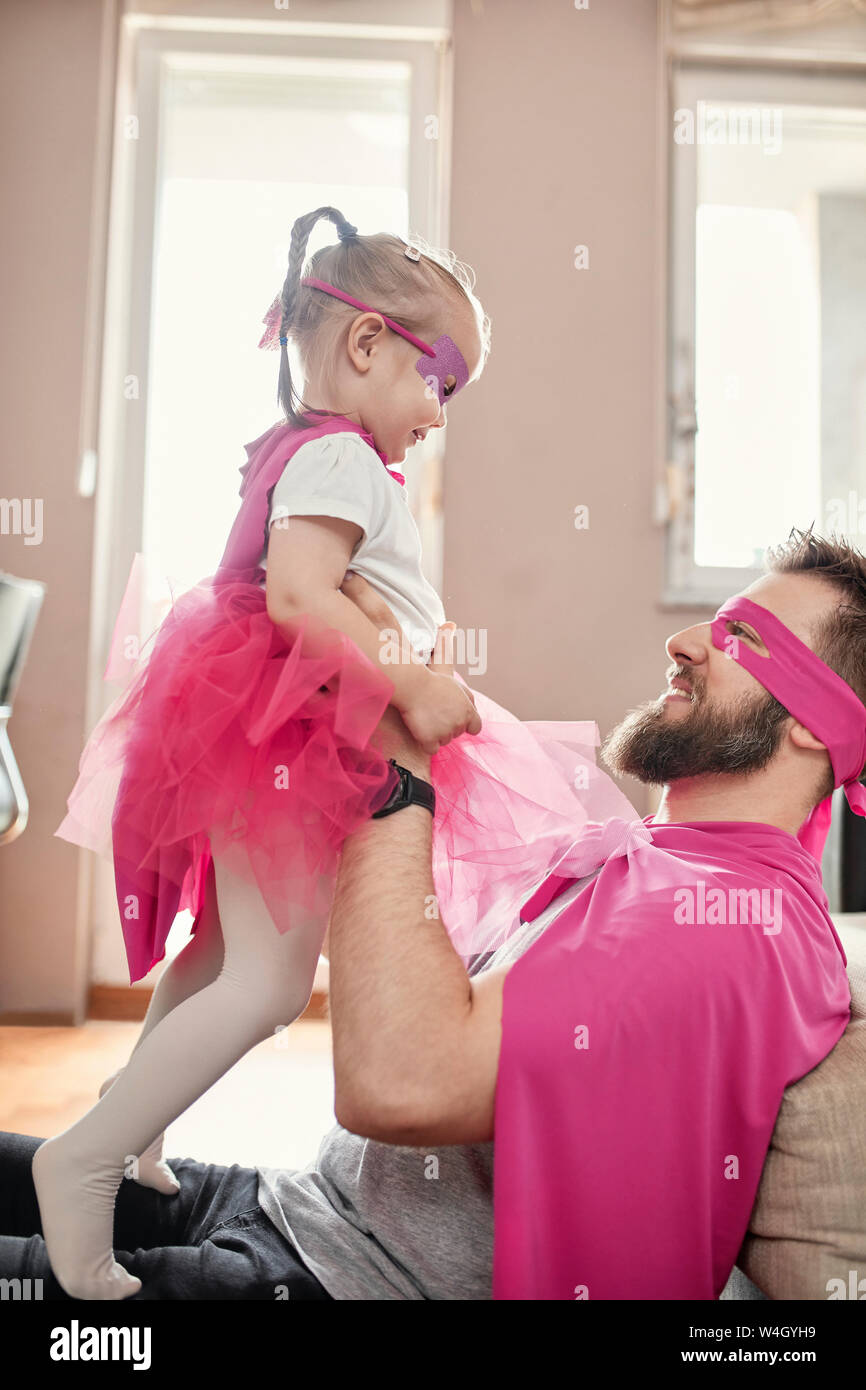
(225, 777)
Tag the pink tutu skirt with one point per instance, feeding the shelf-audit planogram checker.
(231, 739)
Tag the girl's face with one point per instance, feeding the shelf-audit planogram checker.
(396, 388)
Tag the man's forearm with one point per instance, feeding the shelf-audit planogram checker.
(399, 991)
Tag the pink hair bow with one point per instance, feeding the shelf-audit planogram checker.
(272, 319)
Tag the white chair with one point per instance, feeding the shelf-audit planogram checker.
(20, 602)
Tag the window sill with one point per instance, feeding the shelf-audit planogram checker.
(693, 599)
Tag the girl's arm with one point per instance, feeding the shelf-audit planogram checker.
(307, 562)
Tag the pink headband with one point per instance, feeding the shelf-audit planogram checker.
(271, 337)
(350, 299)
(816, 697)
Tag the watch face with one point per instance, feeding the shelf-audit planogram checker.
(395, 796)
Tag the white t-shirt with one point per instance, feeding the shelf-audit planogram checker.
(341, 475)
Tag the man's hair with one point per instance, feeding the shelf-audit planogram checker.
(839, 639)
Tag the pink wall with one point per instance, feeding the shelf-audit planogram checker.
(554, 145)
(49, 66)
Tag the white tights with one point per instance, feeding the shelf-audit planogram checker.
(234, 983)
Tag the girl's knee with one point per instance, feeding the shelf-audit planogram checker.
(287, 998)
(272, 971)
(276, 997)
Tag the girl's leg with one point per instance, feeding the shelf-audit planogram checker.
(197, 965)
(265, 981)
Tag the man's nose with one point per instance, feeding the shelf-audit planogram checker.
(443, 418)
(688, 647)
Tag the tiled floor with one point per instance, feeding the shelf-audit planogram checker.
(272, 1108)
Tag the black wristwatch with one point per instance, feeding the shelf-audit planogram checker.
(409, 791)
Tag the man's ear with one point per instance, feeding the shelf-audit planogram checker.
(804, 739)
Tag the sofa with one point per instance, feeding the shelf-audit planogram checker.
(807, 1231)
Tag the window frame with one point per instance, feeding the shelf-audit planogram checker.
(144, 46)
(687, 584)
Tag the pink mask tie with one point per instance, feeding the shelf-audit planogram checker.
(812, 693)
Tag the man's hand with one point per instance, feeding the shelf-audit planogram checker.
(443, 709)
(370, 602)
(442, 660)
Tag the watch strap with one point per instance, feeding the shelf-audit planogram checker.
(409, 791)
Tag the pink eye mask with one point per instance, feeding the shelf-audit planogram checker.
(816, 697)
(443, 360)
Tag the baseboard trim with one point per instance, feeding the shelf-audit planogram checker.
(122, 1004)
(63, 1018)
(118, 1002)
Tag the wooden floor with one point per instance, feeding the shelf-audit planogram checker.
(272, 1108)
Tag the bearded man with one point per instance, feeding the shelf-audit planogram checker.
(626, 1052)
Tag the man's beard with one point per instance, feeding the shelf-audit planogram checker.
(657, 748)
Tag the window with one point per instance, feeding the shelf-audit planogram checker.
(767, 324)
(247, 145)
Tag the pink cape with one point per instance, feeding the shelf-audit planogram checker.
(228, 736)
(647, 1038)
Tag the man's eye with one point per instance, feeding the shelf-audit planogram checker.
(450, 383)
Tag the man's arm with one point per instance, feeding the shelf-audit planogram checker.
(416, 1042)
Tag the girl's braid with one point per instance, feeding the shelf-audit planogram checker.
(291, 285)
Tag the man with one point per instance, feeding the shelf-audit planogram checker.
(399, 1201)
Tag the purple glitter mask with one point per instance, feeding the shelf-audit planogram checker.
(443, 359)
